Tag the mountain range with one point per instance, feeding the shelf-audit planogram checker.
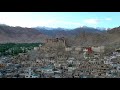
(57, 32)
(85, 36)
(79, 36)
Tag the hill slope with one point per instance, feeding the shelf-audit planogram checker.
(20, 35)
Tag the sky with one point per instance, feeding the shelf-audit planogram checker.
(68, 20)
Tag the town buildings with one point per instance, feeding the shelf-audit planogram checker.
(56, 60)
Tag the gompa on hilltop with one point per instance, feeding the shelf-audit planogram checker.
(56, 42)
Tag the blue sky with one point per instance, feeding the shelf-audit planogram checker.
(61, 19)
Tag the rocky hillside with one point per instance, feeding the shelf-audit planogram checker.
(109, 37)
(20, 35)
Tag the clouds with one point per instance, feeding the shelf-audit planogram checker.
(69, 24)
(96, 21)
(64, 20)
(36, 19)
(59, 23)
(27, 22)
(108, 19)
(92, 21)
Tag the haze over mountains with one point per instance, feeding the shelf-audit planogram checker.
(56, 32)
(78, 36)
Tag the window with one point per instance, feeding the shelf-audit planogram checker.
(26, 76)
(99, 74)
(115, 67)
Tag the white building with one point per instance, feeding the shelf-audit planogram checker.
(68, 49)
(107, 62)
(70, 69)
(98, 49)
(85, 55)
(70, 61)
(47, 70)
(85, 50)
(57, 65)
(40, 45)
(57, 71)
(36, 48)
(78, 48)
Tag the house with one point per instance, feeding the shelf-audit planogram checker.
(117, 50)
(1, 75)
(113, 71)
(22, 75)
(57, 65)
(86, 55)
(52, 61)
(38, 61)
(47, 69)
(118, 68)
(92, 61)
(9, 75)
(68, 49)
(96, 55)
(71, 60)
(36, 48)
(30, 74)
(89, 50)
(57, 76)
(109, 74)
(107, 62)
(117, 53)
(57, 71)
(78, 48)
(40, 45)
(76, 74)
(63, 66)
(113, 57)
(99, 49)
(85, 50)
(2, 65)
(71, 68)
